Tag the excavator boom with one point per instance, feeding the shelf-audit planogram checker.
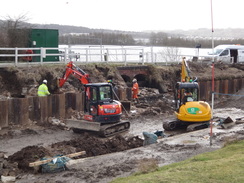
(185, 71)
(72, 69)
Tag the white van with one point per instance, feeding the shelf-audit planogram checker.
(228, 53)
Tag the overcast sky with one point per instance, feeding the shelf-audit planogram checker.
(129, 15)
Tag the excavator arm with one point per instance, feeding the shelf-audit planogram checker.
(72, 69)
(185, 71)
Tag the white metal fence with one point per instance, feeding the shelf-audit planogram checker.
(91, 54)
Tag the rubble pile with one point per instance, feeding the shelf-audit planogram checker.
(152, 103)
(96, 146)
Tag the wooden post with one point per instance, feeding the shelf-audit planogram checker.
(3, 113)
(61, 106)
(70, 101)
(79, 102)
(43, 109)
(18, 110)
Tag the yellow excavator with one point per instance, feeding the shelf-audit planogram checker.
(189, 110)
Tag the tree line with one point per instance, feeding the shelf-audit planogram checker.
(97, 39)
(14, 33)
(153, 39)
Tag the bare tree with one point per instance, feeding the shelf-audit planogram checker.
(15, 31)
(3, 35)
(170, 54)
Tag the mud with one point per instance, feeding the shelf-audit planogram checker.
(93, 146)
(108, 158)
(27, 155)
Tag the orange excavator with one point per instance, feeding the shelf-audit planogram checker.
(189, 110)
(102, 113)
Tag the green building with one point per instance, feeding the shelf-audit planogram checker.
(46, 38)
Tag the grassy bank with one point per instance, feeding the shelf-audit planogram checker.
(221, 166)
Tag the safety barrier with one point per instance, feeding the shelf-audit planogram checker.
(32, 56)
(93, 54)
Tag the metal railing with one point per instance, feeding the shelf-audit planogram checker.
(91, 54)
(17, 56)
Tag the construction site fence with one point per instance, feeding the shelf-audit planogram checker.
(93, 54)
(41, 110)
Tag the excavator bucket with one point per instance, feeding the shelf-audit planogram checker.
(83, 125)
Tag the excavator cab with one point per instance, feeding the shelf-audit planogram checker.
(99, 103)
(186, 92)
(188, 106)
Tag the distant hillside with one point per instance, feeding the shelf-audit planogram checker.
(201, 33)
(218, 33)
(65, 29)
(229, 33)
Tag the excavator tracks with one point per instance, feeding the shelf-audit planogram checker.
(113, 129)
(171, 125)
(176, 124)
(197, 126)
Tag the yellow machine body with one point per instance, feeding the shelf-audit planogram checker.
(195, 111)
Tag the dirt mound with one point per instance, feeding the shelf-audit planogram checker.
(221, 71)
(27, 155)
(161, 77)
(96, 146)
(93, 146)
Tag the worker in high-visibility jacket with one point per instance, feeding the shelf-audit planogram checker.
(43, 89)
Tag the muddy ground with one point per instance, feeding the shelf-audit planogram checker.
(108, 158)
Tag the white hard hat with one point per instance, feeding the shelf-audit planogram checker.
(134, 80)
(45, 81)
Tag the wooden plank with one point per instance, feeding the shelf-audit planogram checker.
(37, 163)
